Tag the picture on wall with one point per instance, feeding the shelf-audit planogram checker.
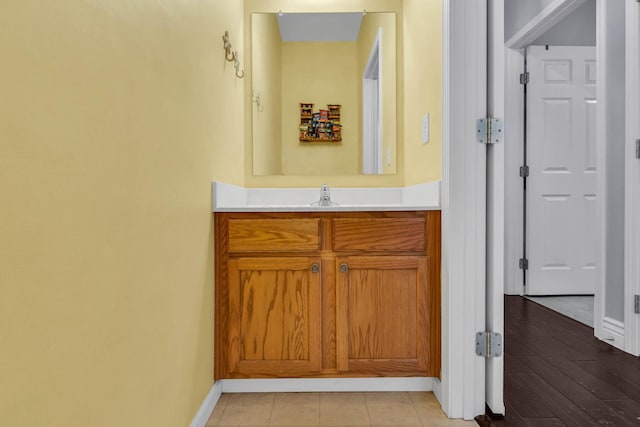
(320, 126)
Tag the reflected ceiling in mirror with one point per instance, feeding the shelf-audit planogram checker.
(324, 59)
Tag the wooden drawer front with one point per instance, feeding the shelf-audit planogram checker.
(274, 235)
(379, 234)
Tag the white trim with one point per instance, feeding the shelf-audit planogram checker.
(613, 332)
(463, 207)
(495, 206)
(539, 25)
(325, 385)
(632, 176)
(210, 401)
(601, 168)
(437, 389)
(514, 152)
(308, 385)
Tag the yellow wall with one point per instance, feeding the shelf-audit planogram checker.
(321, 74)
(423, 89)
(266, 82)
(115, 117)
(371, 23)
(272, 6)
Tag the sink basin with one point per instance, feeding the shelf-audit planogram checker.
(232, 198)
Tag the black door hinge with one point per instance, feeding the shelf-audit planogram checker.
(524, 264)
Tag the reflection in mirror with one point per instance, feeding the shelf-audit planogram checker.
(325, 59)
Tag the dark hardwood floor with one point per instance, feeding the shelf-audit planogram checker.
(558, 374)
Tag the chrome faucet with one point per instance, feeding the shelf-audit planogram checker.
(325, 196)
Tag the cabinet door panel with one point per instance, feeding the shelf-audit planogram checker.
(274, 322)
(383, 319)
(382, 314)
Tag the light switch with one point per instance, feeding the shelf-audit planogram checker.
(425, 128)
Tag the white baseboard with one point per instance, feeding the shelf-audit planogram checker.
(201, 418)
(326, 385)
(613, 332)
(437, 389)
(284, 385)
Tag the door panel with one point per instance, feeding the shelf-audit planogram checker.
(561, 187)
(274, 316)
(384, 323)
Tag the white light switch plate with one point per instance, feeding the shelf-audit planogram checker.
(425, 128)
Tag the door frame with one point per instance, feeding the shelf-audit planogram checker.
(632, 176)
(494, 366)
(629, 332)
(514, 133)
(461, 390)
(464, 99)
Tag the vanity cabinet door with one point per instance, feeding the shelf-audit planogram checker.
(383, 323)
(274, 324)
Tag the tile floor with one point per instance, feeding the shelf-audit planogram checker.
(331, 409)
(577, 307)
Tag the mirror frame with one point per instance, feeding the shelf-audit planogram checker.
(302, 6)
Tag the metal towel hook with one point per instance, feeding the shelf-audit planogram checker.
(228, 53)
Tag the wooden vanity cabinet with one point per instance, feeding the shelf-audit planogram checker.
(333, 294)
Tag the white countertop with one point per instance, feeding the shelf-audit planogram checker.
(232, 198)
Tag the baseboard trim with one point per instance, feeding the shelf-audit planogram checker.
(201, 418)
(302, 385)
(326, 385)
(613, 332)
(437, 389)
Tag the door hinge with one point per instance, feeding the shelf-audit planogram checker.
(488, 344)
(489, 130)
(524, 78)
(636, 304)
(524, 171)
(524, 264)
(638, 145)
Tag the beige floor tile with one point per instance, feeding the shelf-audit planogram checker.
(247, 409)
(296, 409)
(343, 409)
(391, 409)
(218, 410)
(430, 412)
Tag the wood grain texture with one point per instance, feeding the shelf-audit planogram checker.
(557, 373)
(272, 235)
(221, 297)
(248, 351)
(434, 298)
(274, 316)
(379, 234)
(380, 324)
(328, 313)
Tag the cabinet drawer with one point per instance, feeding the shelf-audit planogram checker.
(379, 234)
(274, 235)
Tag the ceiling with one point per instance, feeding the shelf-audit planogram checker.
(319, 27)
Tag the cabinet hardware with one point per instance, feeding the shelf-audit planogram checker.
(344, 267)
(315, 267)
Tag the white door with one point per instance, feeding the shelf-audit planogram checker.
(561, 187)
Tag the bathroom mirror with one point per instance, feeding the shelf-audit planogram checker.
(342, 63)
